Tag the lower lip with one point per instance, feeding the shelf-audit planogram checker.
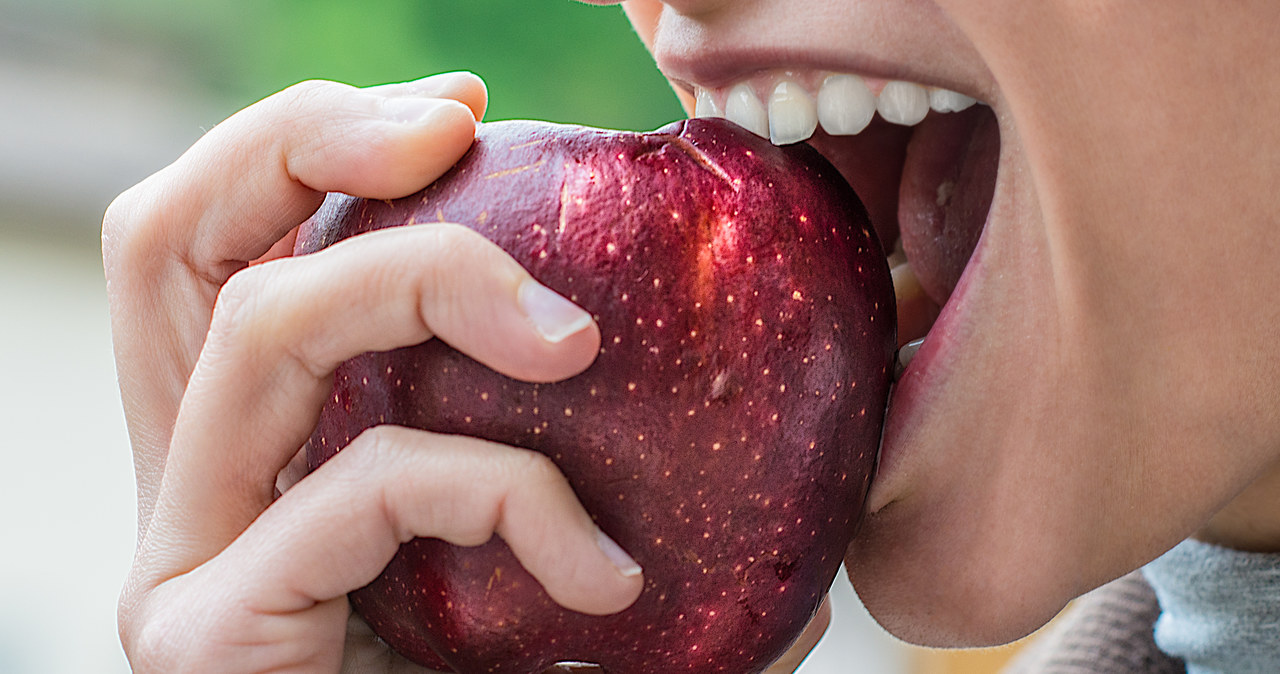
(921, 386)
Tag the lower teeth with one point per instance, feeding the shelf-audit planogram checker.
(906, 354)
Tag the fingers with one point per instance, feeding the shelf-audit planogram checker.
(338, 528)
(280, 329)
(170, 242)
(274, 600)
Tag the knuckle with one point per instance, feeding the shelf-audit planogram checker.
(131, 229)
(537, 469)
(237, 310)
(148, 648)
(374, 445)
(116, 222)
(447, 244)
(452, 245)
(153, 641)
(459, 253)
(374, 454)
(304, 103)
(309, 93)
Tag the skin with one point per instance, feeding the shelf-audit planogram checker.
(1107, 383)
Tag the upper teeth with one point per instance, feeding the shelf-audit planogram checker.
(783, 109)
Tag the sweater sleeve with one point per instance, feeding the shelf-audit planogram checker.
(1108, 631)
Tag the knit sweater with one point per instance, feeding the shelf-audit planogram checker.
(1220, 608)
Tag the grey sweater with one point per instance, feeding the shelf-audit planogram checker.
(1220, 608)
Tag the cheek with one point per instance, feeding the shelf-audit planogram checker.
(1155, 401)
(1155, 176)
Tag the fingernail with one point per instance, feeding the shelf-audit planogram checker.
(554, 317)
(626, 565)
(411, 109)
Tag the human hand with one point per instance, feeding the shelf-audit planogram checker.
(225, 346)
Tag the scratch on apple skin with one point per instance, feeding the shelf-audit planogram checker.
(564, 201)
(532, 143)
(703, 159)
(515, 170)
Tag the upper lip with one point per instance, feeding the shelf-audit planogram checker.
(711, 60)
(721, 68)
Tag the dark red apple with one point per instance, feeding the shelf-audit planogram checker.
(726, 434)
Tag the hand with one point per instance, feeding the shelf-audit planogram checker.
(225, 347)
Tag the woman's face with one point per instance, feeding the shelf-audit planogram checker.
(1104, 376)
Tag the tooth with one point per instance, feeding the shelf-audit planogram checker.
(908, 352)
(944, 100)
(903, 103)
(706, 105)
(744, 109)
(793, 116)
(898, 256)
(845, 105)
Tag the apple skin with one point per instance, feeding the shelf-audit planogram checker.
(727, 432)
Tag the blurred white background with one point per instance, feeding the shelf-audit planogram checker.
(82, 117)
(87, 108)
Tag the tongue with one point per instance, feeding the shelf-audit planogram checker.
(948, 180)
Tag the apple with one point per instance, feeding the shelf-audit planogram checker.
(727, 432)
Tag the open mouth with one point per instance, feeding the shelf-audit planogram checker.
(922, 160)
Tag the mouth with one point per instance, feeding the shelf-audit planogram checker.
(925, 162)
(922, 159)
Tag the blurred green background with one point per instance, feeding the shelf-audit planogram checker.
(97, 94)
(547, 59)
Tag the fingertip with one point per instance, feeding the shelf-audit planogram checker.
(553, 317)
(609, 581)
(470, 89)
(463, 86)
(419, 140)
(613, 590)
(628, 570)
(608, 602)
(448, 132)
(557, 320)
